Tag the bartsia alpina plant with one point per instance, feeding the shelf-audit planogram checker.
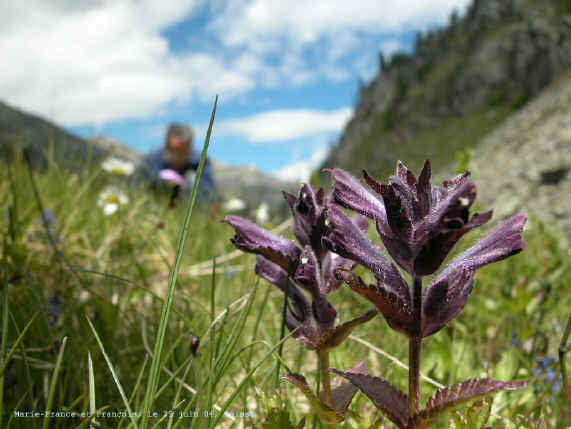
(310, 267)
(419, 224)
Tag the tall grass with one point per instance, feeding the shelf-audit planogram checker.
(131, 299)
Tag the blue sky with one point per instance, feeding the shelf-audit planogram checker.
(287, 72)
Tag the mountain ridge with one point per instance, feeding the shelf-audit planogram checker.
(458, 85)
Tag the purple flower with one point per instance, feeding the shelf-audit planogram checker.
(307, 273)
(171, 176)
(446, 296)
(419, 224)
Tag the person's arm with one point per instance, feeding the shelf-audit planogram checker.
(147, 170)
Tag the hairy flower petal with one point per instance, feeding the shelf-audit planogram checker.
(438, 247)
(309, 275)
(346, 239)
(504, 241)
(331, 263)
(351, 194)
(445, 298)
(424, 222)
(307, 219)
(251, 238)
(275, 275)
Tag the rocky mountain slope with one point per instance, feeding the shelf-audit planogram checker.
(460, 83)
(525, 164)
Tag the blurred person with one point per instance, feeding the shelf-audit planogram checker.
(174, 166)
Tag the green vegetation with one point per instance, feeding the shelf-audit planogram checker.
(93, 349)
(459, 133)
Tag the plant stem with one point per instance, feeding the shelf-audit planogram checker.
(282, 333)
(415, 345)
(325, 380)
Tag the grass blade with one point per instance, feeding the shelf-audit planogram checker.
(54, 383)
(5, 309)
(115, 378)
(156, 361)
(18, 340)
(247, 378)
(92, 407)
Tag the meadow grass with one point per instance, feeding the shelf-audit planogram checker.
(119, 337)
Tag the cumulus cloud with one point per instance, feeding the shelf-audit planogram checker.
(103, 61)
(259, 22)
(300, 171)
(95, 61)
(285, 124)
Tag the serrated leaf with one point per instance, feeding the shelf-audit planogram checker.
(395, 309)
(342, 390)
(326, 414)
(459, 394)
(391, 401)
(341, 332)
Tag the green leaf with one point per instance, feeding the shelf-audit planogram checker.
(506, 368)
(392, 402)
(327, 414)
(459, 394)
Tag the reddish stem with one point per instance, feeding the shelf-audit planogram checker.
(414, 349)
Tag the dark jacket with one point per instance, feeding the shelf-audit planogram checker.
(156, 161)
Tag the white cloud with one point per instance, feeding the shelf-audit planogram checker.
(309, 41)
(299, 171)
(286, 124)
(301, 22)
(104, 61)
(95, 61)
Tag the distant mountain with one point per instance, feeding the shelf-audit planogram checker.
(457, 86)
(252, 185)
(46, 140)
(43, 140)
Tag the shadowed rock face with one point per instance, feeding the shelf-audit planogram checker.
(502, 53)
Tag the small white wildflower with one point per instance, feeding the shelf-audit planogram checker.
(110, 199)
(304, 260)
(234, 204)
(464, 201)
(263, 213)
(118, 166)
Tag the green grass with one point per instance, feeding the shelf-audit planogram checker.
(113, 275)
(440, 144)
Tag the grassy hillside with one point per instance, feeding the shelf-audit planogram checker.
(112, 271)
